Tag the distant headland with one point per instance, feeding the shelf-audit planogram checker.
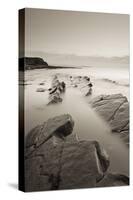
(29, 63)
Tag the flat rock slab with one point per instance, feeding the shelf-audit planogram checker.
(55, 159)
(64, 166)
(42, 167)
(81, 165)
(115, 110)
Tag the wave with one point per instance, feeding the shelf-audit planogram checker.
(115, 82)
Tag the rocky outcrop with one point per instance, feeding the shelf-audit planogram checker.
(27, 63)
(83, 83)
(57, 88)
(55, 159)
(115, 110)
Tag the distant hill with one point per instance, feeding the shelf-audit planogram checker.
(73, 60)
(27, 63)
(124, 59)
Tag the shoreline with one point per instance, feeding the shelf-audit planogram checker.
(42, 84)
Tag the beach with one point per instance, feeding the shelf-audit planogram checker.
(88, 124)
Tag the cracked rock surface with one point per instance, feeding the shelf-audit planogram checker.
(115, 110)
(55, 159)
(57, 88)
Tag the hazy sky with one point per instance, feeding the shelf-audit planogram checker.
(80, 33)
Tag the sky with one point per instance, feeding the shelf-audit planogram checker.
(76, 33)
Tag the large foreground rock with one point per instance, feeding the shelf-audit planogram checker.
(83, 164)
(59, 127)
(115, 110)
(55, 159)
(65, 166)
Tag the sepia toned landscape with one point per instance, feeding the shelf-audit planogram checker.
(76, 93)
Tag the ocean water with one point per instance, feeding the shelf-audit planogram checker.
(88, 125)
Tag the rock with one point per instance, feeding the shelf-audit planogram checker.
(105, 97)
(42, 163)
(112, 179)
(40, 90)
(82, 165)
(63, 86)
(121, 118)
(42, 167)
(53, 90)
(55, 159)
(103, 156)
(110, 81)
(59, 126)
(66, 165)
(115, 110)
(90, 84)
(42, 83)
(85, 77)
(56, 90)
(125, 136)
(89, 92)
(54, 99)
(85, 85)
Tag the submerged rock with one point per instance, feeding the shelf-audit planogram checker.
(40, 90)
(55, 159)
(89, 92)
(42, 83)
(115, 110)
